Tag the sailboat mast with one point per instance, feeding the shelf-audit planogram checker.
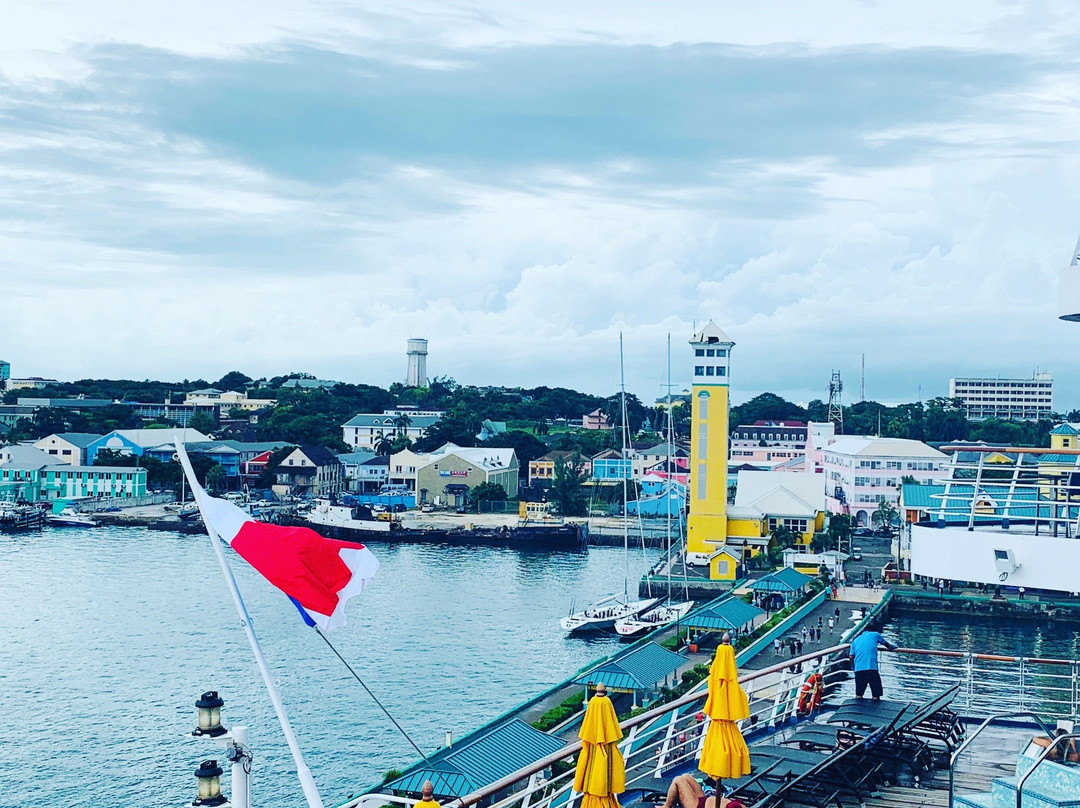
(667, 480)
(623, 469)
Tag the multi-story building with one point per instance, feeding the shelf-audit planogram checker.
(452, 472)
(138, 441)
(366, 430)
(228, 400)
(309, 471)
(542, 470)
(168, 411)
(1012, 399)
(768, 443)
(5, 373)
(597, 419)
(33, 475)
(29, 383)
(862, 472)
(11, 414)
(67, 447)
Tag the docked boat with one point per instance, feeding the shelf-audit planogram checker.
(69, 517)
(14, 517)
(344, 522)
(660, 615)
(604, 613)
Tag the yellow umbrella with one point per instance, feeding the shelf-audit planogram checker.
(601, 771)
(724, 753)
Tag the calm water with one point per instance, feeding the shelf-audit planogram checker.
(108, 636)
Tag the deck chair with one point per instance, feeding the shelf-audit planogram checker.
(939, 727)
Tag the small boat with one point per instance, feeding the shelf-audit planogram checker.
(653, 619)
(603, 613)
(14, 517)
(188, 512)
(69, 517)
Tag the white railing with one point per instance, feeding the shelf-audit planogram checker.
(668, 738)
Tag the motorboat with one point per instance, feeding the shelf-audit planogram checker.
(603, 613)
(69, 517)
(656, 617)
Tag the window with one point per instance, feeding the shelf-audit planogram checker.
(722, 567)
(721, 351)
(703, 404)
(709, 371)
(710, 352)
(702, 487)
(721, 371)
(699, 352)
(699, 370)
(894, 465)
(703, 441)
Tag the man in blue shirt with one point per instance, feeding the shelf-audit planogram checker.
(864, 660)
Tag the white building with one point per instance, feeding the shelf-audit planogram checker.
(228, 400)
(861, 472)
(1013, 399)
(365, 430)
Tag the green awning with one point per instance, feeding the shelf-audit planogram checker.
(725, 613)
(640, 669)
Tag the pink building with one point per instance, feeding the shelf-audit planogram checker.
(595, 420)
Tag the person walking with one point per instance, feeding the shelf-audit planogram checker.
(864, 661)
(776, 646)
(820, 622)
(832, 623)
(819, 632)
(798, 647)
(804, 633)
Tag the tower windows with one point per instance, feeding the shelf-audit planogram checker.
(702, 484)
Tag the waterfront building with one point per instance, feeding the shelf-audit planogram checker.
(597, 419)
(30, 474)
(452, 471)
(768, 443)
(660, 496)
(167, 411)
(862, 472)
(1009, 399)
(67, 447)
(228, 457)
(417, 372)
(610, 466)
(707, 521)
(366, 430)
(228, 400)
(309, 471)
(401, 470)
(137, 441)
(795, 501)
(542, 470)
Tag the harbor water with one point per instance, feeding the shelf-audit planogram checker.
(108, 636)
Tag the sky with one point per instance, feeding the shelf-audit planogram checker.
(274, 186)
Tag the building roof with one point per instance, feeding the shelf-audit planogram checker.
(309, 384)
(725, 613)
(932, 497)
(639, 669)
(1064, 429)
(486, 457)
(783, 580)
(318, 455)
(148, 438)
(80, 439)
(778, 423)
(383, 420)
(378, 460)
(882, 447)
(356, 458)
(478, 760)
(21, 456)
(712, 333)
(785, 493)
(551, 457)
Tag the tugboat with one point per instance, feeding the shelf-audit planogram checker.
(18, 517)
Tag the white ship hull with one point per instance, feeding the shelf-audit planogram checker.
(603, 614)
(653, 619)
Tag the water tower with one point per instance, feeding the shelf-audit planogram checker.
(417, 350)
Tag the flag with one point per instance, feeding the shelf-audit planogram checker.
(318, 574)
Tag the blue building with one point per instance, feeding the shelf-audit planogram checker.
(611, 465)
(659, 497)
(137, 441)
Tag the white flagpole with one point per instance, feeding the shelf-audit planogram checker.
(307, 782)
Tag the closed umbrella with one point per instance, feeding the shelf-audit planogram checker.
(724, 753)
(601, 771)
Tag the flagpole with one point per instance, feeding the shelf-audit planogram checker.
(307, 782)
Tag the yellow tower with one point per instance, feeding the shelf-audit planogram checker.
(707, 522)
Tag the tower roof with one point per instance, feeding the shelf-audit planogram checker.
(712, 333)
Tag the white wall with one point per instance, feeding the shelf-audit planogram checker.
(963, 555)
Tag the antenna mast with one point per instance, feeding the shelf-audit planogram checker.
(836, 406)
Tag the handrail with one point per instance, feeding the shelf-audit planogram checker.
(646, 717)
(967, 741)
(1054, 741)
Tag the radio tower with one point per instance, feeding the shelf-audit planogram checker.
(836, 406)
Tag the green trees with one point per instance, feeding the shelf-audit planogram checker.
(566, 489)
(384, 446)
(525, 446)
(885, 515)
(839, 533)
(202, 422)
(486, 492)
(216, 481)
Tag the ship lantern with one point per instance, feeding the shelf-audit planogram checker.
(209, 776)
(209, 706)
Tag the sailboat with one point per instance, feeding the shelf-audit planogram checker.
(666, 611)
(603, 614)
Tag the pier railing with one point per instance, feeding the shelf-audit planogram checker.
(668, 739)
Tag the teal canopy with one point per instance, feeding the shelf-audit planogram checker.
(787, 580)
(725, 613)
(640, 669)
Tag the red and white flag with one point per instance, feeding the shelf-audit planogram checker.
(319, 574)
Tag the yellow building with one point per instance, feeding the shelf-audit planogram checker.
(707, 521)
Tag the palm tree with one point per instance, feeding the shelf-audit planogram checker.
(885, 514)
(401, 423)
(384, 446)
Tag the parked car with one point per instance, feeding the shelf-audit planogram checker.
(856, 554)
(427, 508)
(398, 507)
(459, 509)
(378, 507)
(863, 531)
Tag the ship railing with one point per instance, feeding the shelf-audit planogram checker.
(668, 738)
(656, 742)
(989, 682)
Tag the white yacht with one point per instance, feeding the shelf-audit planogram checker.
(660, 615)
(603, 613)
